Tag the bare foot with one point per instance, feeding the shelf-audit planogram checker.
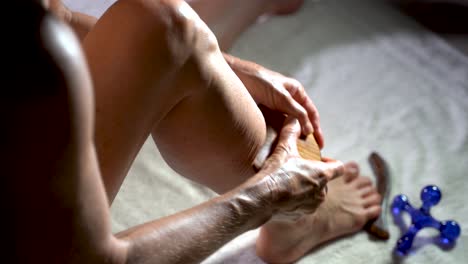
(285, 7)
(350, 203)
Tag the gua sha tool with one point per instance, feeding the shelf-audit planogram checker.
(421, 218)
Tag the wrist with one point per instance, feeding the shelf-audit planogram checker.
(240, 66)
(250, 203)
(247, 72)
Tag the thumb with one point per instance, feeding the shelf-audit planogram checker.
(287, 140)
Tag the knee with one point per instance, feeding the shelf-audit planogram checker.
(175, 24)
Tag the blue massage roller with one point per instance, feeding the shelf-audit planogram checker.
(421, 218)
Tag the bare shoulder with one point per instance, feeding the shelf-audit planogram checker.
(46, 86)
(50, 186)
(43, 54)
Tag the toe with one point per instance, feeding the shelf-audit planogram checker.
(371, 200)
(359, 220)
(362, 182)
(367, 190)
(373, 211)
(351, 171)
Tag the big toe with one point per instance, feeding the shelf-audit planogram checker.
(351, 171)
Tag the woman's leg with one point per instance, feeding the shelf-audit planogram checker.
(157, 68)
(202, 158)
(229, 18)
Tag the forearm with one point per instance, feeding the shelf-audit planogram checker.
(245, 70)
(192, 235)
(239, 65)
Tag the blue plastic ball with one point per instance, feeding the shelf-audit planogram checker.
(404, 245)
(449, 231)
(431, 195)
(399, 203)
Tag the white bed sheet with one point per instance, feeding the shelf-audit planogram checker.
(381, 82)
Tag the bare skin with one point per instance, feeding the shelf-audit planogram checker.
(61, 215)
(206, 80)
(351, 202)
(228, 19)
(268, 88)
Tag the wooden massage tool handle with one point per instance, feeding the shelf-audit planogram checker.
(379, 227)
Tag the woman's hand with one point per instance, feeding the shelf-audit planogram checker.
(60, 10)
(289, 185)
(279, 93)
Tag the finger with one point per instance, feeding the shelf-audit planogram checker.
(299, 94)
(287, 140)
(315, 120)
(293, 108)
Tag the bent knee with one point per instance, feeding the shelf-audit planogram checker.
(174, 23)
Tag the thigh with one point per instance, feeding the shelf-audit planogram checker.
(132, 64)
(167, 76)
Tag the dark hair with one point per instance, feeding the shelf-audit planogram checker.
(30, 69)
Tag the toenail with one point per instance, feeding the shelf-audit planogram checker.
(352, 170)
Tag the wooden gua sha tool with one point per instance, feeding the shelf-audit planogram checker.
(309, 149)
(379, 227)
